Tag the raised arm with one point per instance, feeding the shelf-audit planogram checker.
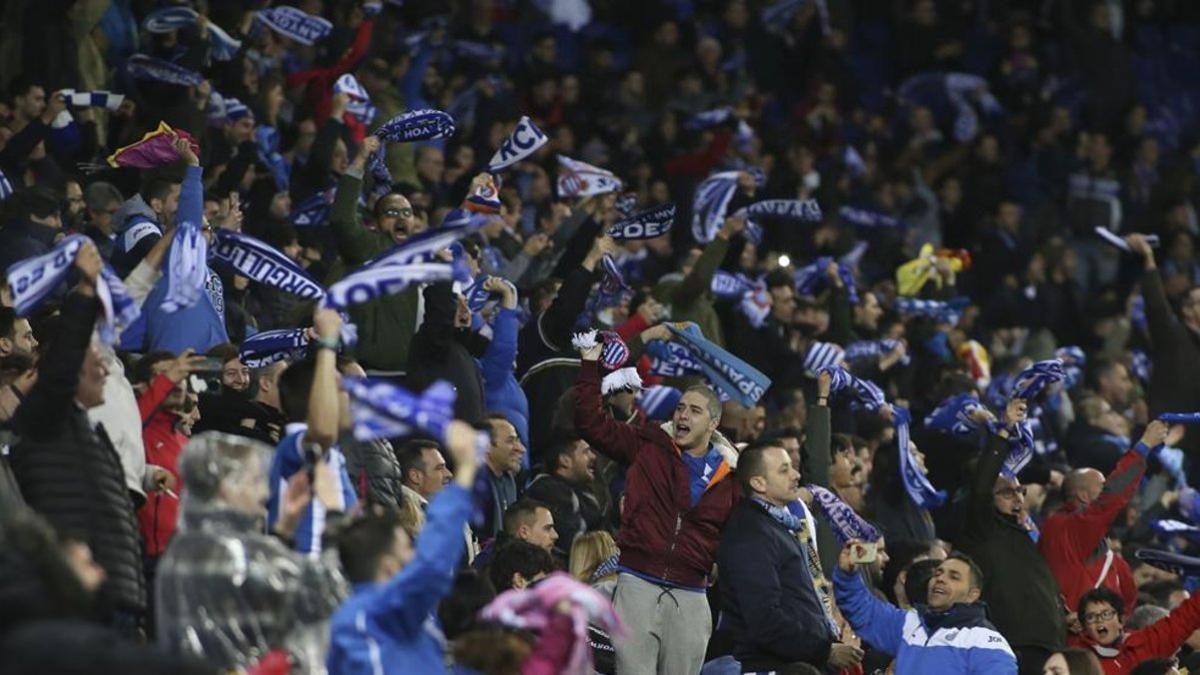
(613, 439)
(1091, 523)
(191, 193)
(323, 406)
(699, 280)
(355, 244)
(499, 358)
(557, 322)
(58, 369)
(1165, 636)
(1166, 332)
(818, 439)
(980, 505)
(874, 620)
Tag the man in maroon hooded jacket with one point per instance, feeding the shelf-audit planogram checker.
(679, 492)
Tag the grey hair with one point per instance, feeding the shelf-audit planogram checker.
(1145, 615)
(100, 194)
(211, 458)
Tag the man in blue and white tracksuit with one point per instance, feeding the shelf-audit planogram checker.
(949, 635)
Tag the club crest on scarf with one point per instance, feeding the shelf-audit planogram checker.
(524, 140)
(580, 179)
(646, 224)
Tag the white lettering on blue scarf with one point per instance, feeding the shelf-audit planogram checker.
(525, 140)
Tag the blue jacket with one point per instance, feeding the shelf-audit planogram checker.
(201, 326)
(501, 392)
(389, 627)
(958, 640)
(769, 607)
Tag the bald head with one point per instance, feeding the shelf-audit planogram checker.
(1083, 485)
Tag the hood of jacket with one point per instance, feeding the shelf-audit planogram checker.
(134, 206)
(959, 615)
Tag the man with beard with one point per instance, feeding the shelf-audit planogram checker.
(565, 487)
(237, 407)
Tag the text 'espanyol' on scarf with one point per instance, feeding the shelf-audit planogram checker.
(739, 380)
(385, 410)
(524, 140)
(646, 224)
(32, 280)
(295, 24)
(668, 359)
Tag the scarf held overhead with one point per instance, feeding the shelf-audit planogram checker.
(738, 379)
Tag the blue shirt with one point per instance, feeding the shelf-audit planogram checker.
(288, 459)
(700, 470)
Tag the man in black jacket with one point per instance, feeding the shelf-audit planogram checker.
(769, 605)
(565, 487)
(1022, 595)
(69, 471)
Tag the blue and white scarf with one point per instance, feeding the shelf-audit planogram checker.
(359, 104)
(524, 140)
(646, 224)
(626, 203)
(313, 210)
(580, 179)
(94, 99)
(32, 280)
(726, 286)
(6, 188)
(1141, 365)
(813, 277)
(847, 525)
(668, 359)
(867, 349)
(861, 217)
(821, 355)
(142, 67)
(708, 118)
(916, 483)
(710, 204)
(1173, 528)
(424, 246)
(221, 45)
(1180, 418)
(188, 264)
(953, 416)
(1073, 360)
(479, 51)
(377, 281)
(741, 381)
(1021, 447)
(1183, 565)
(942, 312)
(416, 125)
(781, 514)
(261, 262)
(866, 394)
(384, 410)
(1035, 378)
(1151, 239)
(272, 346)
(803, 210)
(169, 19)
(295, 24)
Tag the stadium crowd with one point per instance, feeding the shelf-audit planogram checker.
(574, 336)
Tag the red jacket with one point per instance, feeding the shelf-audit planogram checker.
(157, 517)
(1159, 640)
(318, 92)
(662, 535)
(1073, 539)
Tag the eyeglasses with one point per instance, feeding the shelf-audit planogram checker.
(398, 213)
(1097, 617)
(1010, 493)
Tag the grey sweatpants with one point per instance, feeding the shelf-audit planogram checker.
(668, 628)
